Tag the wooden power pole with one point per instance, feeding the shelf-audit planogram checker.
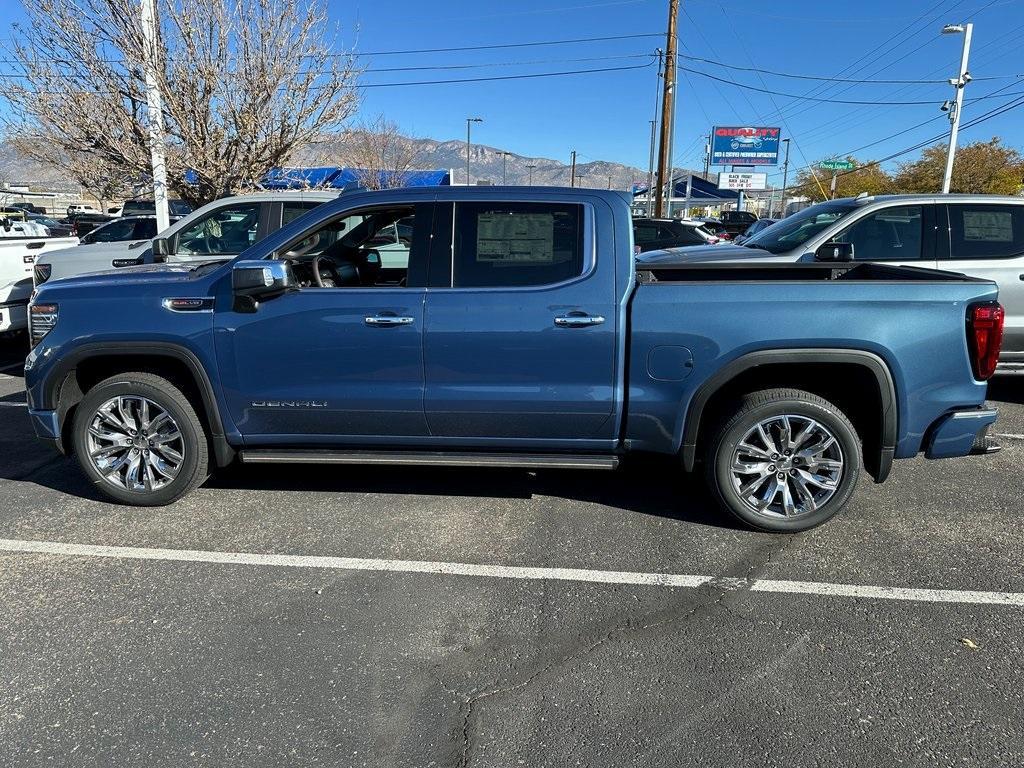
(667, 110)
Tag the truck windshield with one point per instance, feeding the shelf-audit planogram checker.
(796, 230)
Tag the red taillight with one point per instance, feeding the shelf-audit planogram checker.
(984, 338)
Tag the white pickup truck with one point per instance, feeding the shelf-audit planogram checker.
(20, 243)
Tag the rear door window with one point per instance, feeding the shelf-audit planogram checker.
(503, 245)
(986, 231)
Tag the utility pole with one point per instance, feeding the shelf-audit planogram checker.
(785, 179)
(155, 115)
(572, 170)
(667, 109)
(530, 169)
(954, 110)
(469, 121)
(650, 171)
(707, 155)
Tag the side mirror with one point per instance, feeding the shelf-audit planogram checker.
(834, 252)
(160, 249)
(261, 279)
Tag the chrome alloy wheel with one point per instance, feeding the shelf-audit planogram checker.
(787, 466)
(135, 444)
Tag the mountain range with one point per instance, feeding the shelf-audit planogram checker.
(487, 164)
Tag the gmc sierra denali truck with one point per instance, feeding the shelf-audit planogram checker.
(514, 329)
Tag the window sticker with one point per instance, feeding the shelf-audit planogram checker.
(988, 226)
(515, 238)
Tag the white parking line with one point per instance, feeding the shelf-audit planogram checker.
(13, 405)
(12, 367)
(825, 589)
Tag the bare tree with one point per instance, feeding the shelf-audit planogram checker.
(244, 83)
(381, 155)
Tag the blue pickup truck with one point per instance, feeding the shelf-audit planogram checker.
(510, 327)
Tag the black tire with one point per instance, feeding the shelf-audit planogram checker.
(194, 465)
(756, 408)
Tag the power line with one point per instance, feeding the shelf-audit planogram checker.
(794, 76)
(772, 92)
(531, 44)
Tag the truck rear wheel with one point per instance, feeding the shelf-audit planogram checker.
(784, 460)
(139, 440)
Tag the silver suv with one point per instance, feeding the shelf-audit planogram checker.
(978, 235)
(219, 230)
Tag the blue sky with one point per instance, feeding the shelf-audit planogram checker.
(605, 115)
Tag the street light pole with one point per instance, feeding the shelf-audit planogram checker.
(469, 121)
(504, 168)
(572, 170)
(530, 169)
(785, 180)
(962, 79)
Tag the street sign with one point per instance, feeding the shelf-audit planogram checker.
(836, 165)
(743, 181)
(731, 145)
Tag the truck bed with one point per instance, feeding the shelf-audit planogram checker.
(812, 272)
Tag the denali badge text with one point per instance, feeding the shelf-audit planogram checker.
(289, 403)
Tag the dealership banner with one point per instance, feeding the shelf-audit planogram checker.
(732, 145)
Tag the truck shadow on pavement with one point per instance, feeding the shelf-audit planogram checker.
(1006, 389)
(649, 485)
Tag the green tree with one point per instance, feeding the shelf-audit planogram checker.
(984, 167)
(866, 177)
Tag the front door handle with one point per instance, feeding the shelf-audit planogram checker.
(388, 320)
(578, 320)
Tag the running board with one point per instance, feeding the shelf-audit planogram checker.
(431, 458)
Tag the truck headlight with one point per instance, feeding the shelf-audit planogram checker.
(41, 320)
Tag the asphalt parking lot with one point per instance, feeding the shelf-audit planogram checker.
(376, 616)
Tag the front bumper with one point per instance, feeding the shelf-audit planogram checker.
(47, 428)
(961, 433)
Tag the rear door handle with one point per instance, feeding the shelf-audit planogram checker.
(388, 320)
(578, 320)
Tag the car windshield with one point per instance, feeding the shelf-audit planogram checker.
(796, 230)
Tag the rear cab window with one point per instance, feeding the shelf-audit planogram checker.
(501, 245)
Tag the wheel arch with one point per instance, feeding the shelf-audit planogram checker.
(814, 370)
(89, 364)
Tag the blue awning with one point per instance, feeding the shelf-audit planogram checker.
(335, 177)
(702, 190)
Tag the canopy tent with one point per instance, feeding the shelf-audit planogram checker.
(334, 177)
(704, 192)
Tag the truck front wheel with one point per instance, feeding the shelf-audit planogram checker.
(139, 440)
(784, 460)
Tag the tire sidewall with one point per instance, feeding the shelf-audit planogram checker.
(186, 425)
(835, 423)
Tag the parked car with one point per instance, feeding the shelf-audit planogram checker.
(177, 208)
(29, 207)
(517, 333)
(56, 228)
(753, 229)
(124, 229)
(84, 223)
(77, 208)
(736, 222)
(651, 234)
(714, 227)
(978, 235)
(220, 230)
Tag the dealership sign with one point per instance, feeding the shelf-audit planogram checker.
(744, 146)
(744, 181)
